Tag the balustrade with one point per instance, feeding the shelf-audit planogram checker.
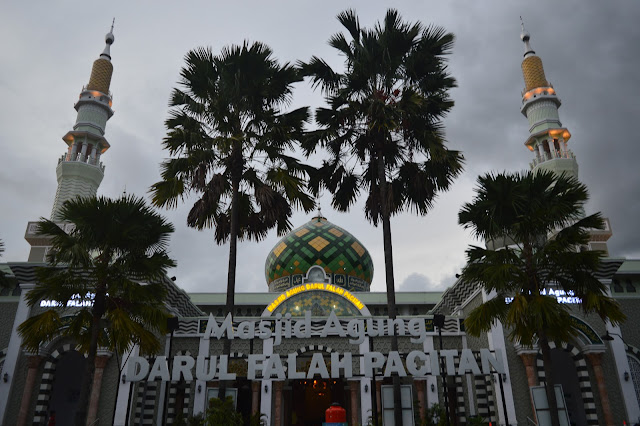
(93, 161)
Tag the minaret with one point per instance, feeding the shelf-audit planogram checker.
(80, 170)
(547, 137)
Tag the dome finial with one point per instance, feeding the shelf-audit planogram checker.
(525, 37)
(109, 39)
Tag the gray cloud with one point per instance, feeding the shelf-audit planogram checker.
(589, 50)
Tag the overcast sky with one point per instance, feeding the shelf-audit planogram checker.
(589, 49)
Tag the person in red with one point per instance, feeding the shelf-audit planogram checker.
(52, 419)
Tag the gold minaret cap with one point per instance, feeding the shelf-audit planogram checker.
(102, 67)
(532, 69)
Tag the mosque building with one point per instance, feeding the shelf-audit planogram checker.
(319, 335)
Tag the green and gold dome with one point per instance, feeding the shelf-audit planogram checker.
(319, 242)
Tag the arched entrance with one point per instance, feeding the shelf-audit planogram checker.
(65, 391)
(306, 400)
(311, 398)
(571, 366)
(565, 374)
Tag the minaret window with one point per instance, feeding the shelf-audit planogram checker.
(547, 151)
(556, 145)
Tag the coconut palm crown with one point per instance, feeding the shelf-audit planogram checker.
(383, 126)
(231, 141)
(110, 267)
(537, 231)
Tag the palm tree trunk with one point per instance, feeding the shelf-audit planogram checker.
(548, 378)
(97, 311)
(388, 268)
(236, 175)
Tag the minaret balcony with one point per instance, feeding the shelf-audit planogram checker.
(79, 158)
(548, 156)
(34, 238)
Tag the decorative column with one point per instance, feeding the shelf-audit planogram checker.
(379, 396)
(354, 390)
(595, 358)
(420, 385)
(528, 358)
(83, 152)
(529, 361)
(34, 362)
(277, 416)
(101, 362)
(255, 397)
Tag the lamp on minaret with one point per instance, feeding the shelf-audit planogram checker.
(547, 137)
(80, 171)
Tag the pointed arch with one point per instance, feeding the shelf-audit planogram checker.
(584, 381)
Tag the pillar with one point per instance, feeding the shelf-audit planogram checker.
(277, 416)
(32, 373)
(595, 358)
(83, 153)
(529, 361)
(420, 385)
(354, 388)
(379, 396)
(74, 151)
(255, 397)
(94, 399)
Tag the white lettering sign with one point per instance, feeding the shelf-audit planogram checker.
(417, 363)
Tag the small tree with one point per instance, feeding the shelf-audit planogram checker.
(540, 217)
(110, 268)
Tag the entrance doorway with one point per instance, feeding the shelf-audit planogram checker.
(310, 398)
(564, 373)
(65, 391)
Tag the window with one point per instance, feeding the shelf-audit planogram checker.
(617, 288)
(229, 392)
(630, 287)
(543, 413)
(406, 400)
(634, 367)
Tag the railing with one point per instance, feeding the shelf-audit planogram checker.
(546, 156)
(87, 159)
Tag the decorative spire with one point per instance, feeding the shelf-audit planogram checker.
(102, 67)
(525, 37)
(109, 39)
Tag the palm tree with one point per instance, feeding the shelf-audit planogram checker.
(540, 218)
(114, 260)
(230, 141)
(382, 126)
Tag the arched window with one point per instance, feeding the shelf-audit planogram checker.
(634, 366)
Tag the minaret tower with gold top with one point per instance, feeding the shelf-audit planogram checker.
(80, 171)
(548, 138)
